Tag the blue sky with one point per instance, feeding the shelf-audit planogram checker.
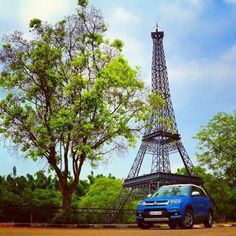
(200, 49)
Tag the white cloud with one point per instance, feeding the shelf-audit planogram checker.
(181, 20)
(125, 16)
(16, 15)
(44, 9)
(217, 71)
(134, 50)
(205, 80)
(179, 11)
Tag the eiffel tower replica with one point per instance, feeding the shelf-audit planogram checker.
(158, 141)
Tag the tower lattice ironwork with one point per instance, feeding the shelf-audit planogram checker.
(158, 141)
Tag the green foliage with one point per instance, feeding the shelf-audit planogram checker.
(37, 197)
(83, 3)
(80, 96)
(45, 198)
(217, 151)
(35, 23)
(22, 198)
(68, 93)
(102, 193)
(217, 146)
(118, 44)
(220, 190)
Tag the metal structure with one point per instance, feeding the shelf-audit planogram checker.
(159, 141)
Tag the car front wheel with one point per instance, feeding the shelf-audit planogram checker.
(188, 221)
(209, 222)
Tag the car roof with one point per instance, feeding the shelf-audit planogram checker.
(185, 185)
(181, 185)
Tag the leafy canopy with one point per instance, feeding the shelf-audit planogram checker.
(220, 190)
(102, 193)
(69, 92)
(217, 145)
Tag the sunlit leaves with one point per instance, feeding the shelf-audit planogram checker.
(83, 3)
(102, 193)
(118, 44)
(70, 92)
(217, 145)
(221, 191)
(35, 23)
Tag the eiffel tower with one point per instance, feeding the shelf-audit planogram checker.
(158, 142)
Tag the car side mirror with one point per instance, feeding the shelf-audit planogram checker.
(195, 193)
(149, 195)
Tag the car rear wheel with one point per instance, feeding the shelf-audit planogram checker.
(145, 225)
(209, 222)
(188, 221)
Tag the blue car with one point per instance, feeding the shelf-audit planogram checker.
(179, 205)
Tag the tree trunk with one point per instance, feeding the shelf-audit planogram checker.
(66, 200)
(67, 214)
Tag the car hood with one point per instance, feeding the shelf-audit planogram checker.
(163, 199)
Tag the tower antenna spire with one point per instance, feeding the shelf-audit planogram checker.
(157, 26)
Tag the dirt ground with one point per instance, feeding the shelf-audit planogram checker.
(16, 231)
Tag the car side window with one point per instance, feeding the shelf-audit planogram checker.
(196, 189)
(202, 193)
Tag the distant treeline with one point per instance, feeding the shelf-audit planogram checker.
(36, 198)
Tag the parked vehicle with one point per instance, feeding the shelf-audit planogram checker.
(180, 205)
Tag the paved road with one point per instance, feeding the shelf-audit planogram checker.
(215, 231)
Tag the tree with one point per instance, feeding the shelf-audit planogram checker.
(69, 95)
(14, 171)
(223, 195)
(217, 146)
(102, 193)
(40, 180)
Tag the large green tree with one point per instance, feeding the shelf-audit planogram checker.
(69, 96)
(102, 194)
(217, 146)
(221, 191)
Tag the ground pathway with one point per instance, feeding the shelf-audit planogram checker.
(32, 231)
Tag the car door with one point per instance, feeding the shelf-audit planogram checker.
(195, 202)
(199, 202)
(205, 201)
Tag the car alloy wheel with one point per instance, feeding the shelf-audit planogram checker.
(188, 221)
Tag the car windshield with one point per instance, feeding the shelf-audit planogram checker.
(168, 191)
